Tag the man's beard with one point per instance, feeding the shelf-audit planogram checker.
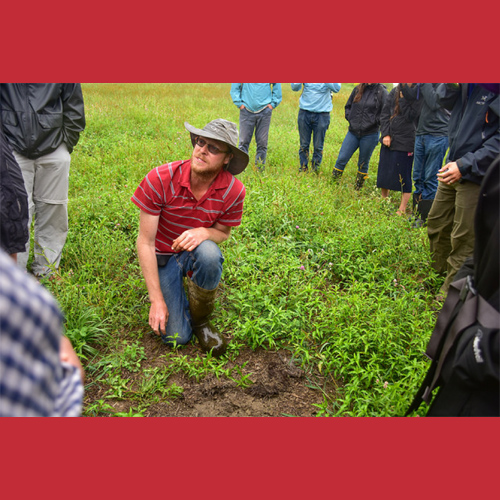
(207, 172)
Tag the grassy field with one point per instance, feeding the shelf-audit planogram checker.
(329, 274)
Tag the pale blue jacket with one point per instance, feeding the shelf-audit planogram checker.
(256, 96)
(316, 97)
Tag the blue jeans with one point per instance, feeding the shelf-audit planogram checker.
(205, 262)
(258, 122)
(428, 159)
(366, 145)
(315, 124)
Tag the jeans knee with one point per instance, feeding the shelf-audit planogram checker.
(207, 265)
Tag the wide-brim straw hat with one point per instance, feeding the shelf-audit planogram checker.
(226, 132)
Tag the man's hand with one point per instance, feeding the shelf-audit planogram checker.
(386, 141)
(190, 239)
(158, 317)
(449, 174)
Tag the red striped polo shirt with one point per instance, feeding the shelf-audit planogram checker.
(166, 191)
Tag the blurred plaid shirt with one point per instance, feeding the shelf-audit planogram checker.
(33, 380)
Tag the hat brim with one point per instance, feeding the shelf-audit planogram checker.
(238, 162)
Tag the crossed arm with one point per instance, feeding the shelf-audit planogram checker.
(187, 241)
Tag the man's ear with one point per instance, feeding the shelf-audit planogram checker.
(228, 158)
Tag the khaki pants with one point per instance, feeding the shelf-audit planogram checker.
(450, 227)
(47, 181)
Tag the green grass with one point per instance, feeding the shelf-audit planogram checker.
(319, 269)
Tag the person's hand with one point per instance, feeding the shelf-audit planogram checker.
(449, 174)
(269, 106)
(386, 141)
(189, 239)
(242, 106)
(158, 317)
(68, 355)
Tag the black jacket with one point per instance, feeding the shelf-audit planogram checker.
(473, 131)
(14, 232)
(364, 116)
(402, 127)
(38, 117)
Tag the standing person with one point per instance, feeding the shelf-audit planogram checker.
(474, 137)
(398, 123)
(256, 102)
(362, 111)
(187, 210)
(314, 119)
(14, 232)
(40, 373)
(431, 143)
(42, 122)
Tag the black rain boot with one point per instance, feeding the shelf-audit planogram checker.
(422, 212)
(360, 180)
(337, 174)
(201, 305)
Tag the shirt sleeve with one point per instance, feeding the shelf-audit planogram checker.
(149, 195)
(235, 93)
(234, 212)
(334, 87)
(276, 95)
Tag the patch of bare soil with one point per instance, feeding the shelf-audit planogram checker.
(278, 387)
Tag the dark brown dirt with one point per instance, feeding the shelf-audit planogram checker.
(278, 387)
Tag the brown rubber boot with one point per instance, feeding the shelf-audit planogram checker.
(360, 180)
(201, 305)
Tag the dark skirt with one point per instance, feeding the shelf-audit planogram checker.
(394, 170)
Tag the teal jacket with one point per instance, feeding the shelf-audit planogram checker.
(256, 96)
(316, 97)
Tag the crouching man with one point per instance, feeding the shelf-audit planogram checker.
(187, 209)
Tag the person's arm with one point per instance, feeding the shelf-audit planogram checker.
(447, 94)
(235, 93)
(385, 118)
(191, 238)
(158, 313)
(411, 91)
(73, 114)
(276, 96)
(348, 104)
(334, 87)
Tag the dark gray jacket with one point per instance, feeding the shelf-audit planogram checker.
(433, 117)
(474, 128)
(38, 117)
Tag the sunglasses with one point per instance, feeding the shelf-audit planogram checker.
(200, 142)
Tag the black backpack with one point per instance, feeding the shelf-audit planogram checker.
(464, 349)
